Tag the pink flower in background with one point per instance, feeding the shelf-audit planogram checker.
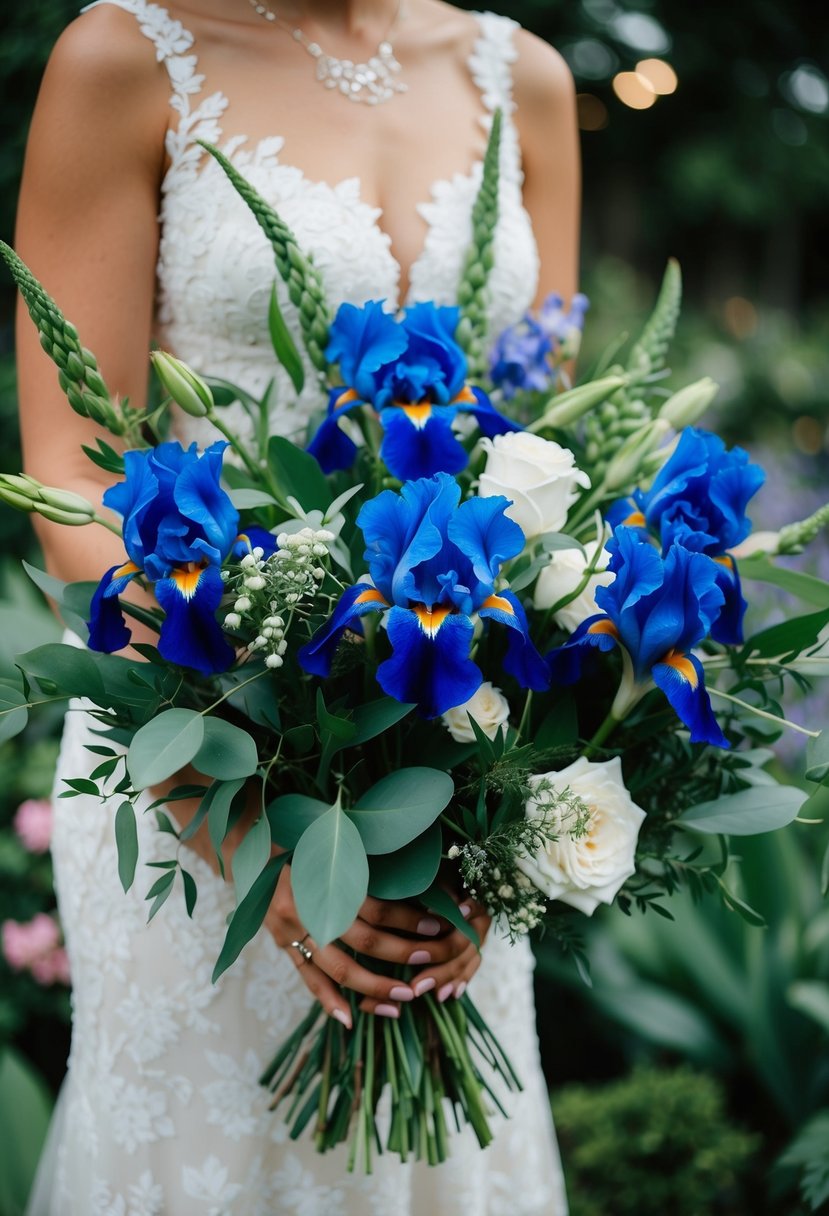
(33, 824)
(34, 946)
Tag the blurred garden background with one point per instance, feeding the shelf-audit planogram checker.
(693, 1076)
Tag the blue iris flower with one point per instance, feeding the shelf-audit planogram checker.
(433, 565)
(413, 373)
(699, 500)
(523, 357)
(657, 609)
(178, 527)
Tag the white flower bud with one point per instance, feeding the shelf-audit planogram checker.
(232, 620)
(255, 582)
(454, 852)
(247, 561)
(242, 604)
(273, 661)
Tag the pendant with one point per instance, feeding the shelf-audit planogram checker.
(372, 82)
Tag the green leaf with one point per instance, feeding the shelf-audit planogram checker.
(808, 1151)
(226, 752)
(817, 757)
(438, 900)
(341, 729)
(750, 915)
(374, 717)
(284, 346)
(300, 739)
(251, 856)
(164, 745)
(812, 998)
(59, 592)
(190, 892)
(790, 637)
(219, 799)
(159, 892)
(247, 919)
(24, 1120)
(290, 814)
(329, 875)
(70, 670)
(126, 839)
(560, 727)
(762, 808)
(13, 710)
(401, 806)
(245, 499)
(296, 473)
(805, 586)
(408, 872)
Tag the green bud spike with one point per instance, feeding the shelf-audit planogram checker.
(188, 390)
(26, 493)
(305, 288)
(625, 468)
(648, 353)
(569, 406)
(471, 333)
(795, 537)
(78, 373)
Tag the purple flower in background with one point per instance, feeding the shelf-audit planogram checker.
(525, 356)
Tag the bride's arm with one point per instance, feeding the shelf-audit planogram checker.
(545, 97)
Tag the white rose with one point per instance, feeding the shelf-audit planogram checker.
(538, 475)
(563, 575)
(590, 869)
(490, 709)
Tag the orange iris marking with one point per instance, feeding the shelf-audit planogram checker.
(683, 665)
(725, 559)
(346, 398)
(635, 520)
(186, 578)
(431, 619)
(127, 568)
(418, 413)
(371, 596)
(497, 601)
(465, 397)
(605, 626)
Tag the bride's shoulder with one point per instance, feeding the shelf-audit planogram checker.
(541, 77)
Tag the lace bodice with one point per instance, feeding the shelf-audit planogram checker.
(216, 270)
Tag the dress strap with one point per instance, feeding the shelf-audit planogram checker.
(490, 64)
(172, 42)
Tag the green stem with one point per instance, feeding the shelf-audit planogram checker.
(525, 715)
(231, 691)
(250, 464)
(609, 724)
(108, 524)
(763, 713)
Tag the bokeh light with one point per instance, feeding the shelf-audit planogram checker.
(661, 75)
(808, 434)
(740, 317)
(634, 90)
(592, 112)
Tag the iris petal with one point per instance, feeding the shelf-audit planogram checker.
(108, 631)
(411, 451)
(430, 663)
(190, 634)
(522, 660)
(728, 627)
(406, 529)
(361, 341)
(682, 680)
(254, 537)
(565, 662)
(131, 498)
(317, 655)
(490, 422)
(330, 446)
(201, 500)
(485, 535)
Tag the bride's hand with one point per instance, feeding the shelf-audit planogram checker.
(449, 958)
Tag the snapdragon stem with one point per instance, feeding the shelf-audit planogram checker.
(763, 713)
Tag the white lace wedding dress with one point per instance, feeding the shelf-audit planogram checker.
(161, 1113)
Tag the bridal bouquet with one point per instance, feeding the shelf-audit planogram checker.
(483, 634)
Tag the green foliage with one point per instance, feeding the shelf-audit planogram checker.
(655, 1142)
(24, 1119)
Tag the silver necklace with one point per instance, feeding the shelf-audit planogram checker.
(371, 82)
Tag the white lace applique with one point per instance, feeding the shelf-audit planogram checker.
(162, 1112)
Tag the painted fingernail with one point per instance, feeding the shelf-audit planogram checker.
(387, 1011)
(417, 957)
(460, 990)
(399, 993)
(424, 985)
(465, 910)
(428, 927)
(445, 992)
(342, 1016)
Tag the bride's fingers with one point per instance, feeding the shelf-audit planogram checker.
(323, 988)
(401, 918)
(346, 972)
(366, 939)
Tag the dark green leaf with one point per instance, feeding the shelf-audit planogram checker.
(408, 872)
(762, 808)
(817, 757)
(401, 806)
(190, 892)
(226, 752)
(297, 475)
(300, 739)
(329, 875)
(57, 591)
(790, 637)
(159, 892)
(164, 745)
(126, 840)
(342, 729)
(248, 917)
(438, 900)
(165, 824)
(284, 346)
(69, 669)
(219, 799)
(749, 915)
(252, 855)
(374, 717)
(13, 712)
(805, 586)
(560, 727)
(290, 814)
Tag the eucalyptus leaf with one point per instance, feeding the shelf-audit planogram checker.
(747, 813)
(329, 876)
(438, 900)
(14, 713)
(126, 840)
(57, 591)
(67, 669)
(410, 871)
(226, 752)
(251, 856)
(291, 814)
(219, 799)
(400, 806)
(248, 917)
(817, 757)
(295, 472)
(164, 745)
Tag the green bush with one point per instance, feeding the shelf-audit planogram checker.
(657, 1141)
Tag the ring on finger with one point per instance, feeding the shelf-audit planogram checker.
(306, 952)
